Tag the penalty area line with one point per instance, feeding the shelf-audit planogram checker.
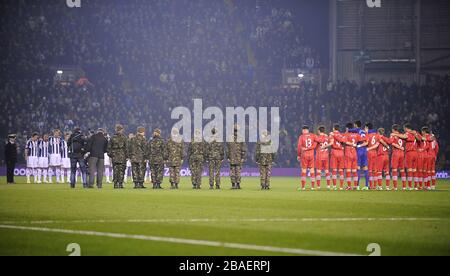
(225, 220)
(295, 251)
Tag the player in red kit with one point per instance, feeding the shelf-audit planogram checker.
(350, 155)
(411, 138)
(337, 163)
(422, 157)
(398, 157)
(426, 145)
(433, 151)
(372, 154)
(305, 152)
(383, 160)
(322, 156)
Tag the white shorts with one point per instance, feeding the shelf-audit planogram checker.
(32, 162)
(55, 160)
(43, 162)
(107, 160)
(65, 163)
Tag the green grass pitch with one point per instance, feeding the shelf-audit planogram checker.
(282, 221)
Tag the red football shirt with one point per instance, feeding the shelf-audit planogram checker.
(308, 142)
(324, 141)
(411, 142)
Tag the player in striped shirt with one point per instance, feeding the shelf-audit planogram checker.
(43, 158)
(32, 157)
(65, 160)
(55, 155)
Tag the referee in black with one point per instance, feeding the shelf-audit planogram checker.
(10, 157)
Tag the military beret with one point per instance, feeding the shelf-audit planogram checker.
(141, 129)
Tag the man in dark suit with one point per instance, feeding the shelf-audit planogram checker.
(10, 158)
(97, 146)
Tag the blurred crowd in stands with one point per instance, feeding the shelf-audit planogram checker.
(144, 58)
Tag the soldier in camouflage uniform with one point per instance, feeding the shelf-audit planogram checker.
(265, 158)
(236, 154)
(156, 156)
(215, 153)
(117, 151)
(137, 153)
(174, 154)
(196, 157)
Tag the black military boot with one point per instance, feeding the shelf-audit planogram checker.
(136, 185)
(267, 186)
(176, 186)
(217, 187)
(238, 186)
(233, 186)
(142, 186)
(211, 187)
(159, 186)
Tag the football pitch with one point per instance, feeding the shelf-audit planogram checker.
(42, 219)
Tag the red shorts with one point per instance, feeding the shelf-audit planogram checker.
(307, 161)
(337, 162)
(398, 161)
(373, 160)
(411, 160)
(351, 162)
(383, 163)
(422, 161)
(322, 164)
(432, 164)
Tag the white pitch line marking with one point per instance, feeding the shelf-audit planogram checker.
(295, 251)
(216, 220)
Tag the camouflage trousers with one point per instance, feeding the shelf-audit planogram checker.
(214, 172)
(157, 171)
(138, 171)
(196, 168)
(235, 173)
(174, 172)
(118, 172)
(265, 172)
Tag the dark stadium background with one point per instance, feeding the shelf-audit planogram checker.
(143, 58)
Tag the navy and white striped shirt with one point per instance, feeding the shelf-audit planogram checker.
(43, 148)
(64, 149)
(54, 145)
(33, 148)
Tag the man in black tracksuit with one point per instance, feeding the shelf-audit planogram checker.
(11, 157)
(77, 149)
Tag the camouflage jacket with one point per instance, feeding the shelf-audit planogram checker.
(137, 149)
(215, 151)
(264, 158)
(117, 148)
(156, 150)
(196, 152)
(236, 152)
(174, 153)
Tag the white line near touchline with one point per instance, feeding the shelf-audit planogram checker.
(295, 251)
(217, 220)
